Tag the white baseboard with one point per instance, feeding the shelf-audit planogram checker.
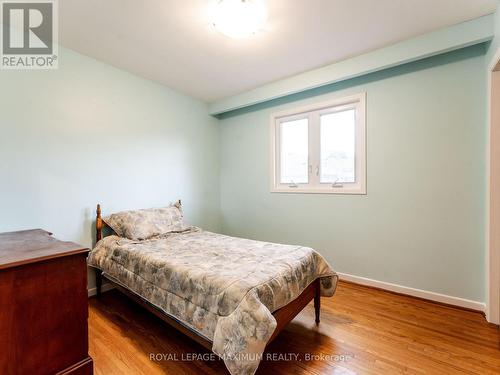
(104, 288)
(432, 296)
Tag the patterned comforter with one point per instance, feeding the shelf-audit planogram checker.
(224, 288)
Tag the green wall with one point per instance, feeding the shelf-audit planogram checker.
(422, 222)
(89, 133)
(494, 48)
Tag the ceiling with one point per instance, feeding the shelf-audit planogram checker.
(173, 43)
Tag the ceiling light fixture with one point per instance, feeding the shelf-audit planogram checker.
(239, 18)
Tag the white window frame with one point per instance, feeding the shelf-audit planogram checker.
(313, 113)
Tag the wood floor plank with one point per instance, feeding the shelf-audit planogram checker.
(362, 331)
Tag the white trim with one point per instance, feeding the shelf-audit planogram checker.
(492, 261)
(487, 308)
(495, 61)
(313, 186)
(432, 296)
(319, 105)
(104, 288)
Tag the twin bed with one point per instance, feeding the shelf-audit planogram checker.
(231, 295)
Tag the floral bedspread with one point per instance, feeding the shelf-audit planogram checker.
(224, 288)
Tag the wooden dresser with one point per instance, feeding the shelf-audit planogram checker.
(43, 305)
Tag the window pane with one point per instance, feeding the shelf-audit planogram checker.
(338, 147)
(294, 151)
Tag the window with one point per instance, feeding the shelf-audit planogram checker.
(320, 148)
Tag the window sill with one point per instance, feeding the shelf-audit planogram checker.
(343, 191)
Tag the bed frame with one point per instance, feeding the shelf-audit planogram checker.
(283, 316)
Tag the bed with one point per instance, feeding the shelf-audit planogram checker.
(231, 295)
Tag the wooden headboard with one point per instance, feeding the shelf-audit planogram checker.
(100, 224)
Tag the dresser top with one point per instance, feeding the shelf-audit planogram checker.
(35, 245)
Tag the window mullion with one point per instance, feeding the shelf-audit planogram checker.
(314, 148)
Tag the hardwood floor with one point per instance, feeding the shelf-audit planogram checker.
(363, 330)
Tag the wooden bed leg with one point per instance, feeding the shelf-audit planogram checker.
(317, 300)
(98, 282)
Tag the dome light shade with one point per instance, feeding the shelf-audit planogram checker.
(239, 18)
